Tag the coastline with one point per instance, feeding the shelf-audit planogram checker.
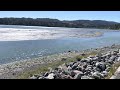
(14, 69)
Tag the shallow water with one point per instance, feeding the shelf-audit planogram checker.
(16, 50)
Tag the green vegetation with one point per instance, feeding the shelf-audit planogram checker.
(113, 70)
(101, 24)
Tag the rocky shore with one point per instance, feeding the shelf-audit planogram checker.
(92, 67)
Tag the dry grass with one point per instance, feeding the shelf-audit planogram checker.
(113, 70)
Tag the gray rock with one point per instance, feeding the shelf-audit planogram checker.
(110, 62)
(75, 66)
(78, 74)
(88, 68)
(107, 69)
(105, 73)
(96, 75)
(71, 64)
(95, 58)
(50, 76)
(46, 74)
(101, 66)
(112, 58)
(115, 52)
(33, 77)
(69, 68)
(118, 59)
(41, 77)
(57, 76)
(86, 77)
(83, 60)
(87, 72)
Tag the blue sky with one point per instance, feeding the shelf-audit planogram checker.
(66, 15)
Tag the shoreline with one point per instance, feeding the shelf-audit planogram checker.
(12, 70)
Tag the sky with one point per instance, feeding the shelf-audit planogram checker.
(66, 15)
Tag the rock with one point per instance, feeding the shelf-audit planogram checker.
(88, 68)
(87, 72)
(57, 76)
(41, 78)
(74, 66)
(74, 72)
(50, 76)
(88, 60)
(101, 66)
(112, 58)
(96, 75)
(107, 69)
(83, 60)
(91, 56)
(66, 76)
(97, 69)
(86, 77)
(77, 76)
(118, 59)
(80, 68)
(71, 64)
(46, 74)
(105, 73)
(83, 54)
(115, 52)
(69, 68)
(33, 77)
(94, 58)
(84, 65)
(110, 62)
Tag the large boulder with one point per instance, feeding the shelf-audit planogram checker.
(101, 66)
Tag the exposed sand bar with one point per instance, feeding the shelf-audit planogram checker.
(14, 34)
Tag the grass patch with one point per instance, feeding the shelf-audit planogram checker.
(53, 65)
(113, 70)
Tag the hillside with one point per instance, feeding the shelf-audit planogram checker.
(57, 23)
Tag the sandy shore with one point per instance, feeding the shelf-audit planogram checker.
(12, 70)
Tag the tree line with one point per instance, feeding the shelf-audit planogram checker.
(57, 23)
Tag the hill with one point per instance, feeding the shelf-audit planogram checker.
(58, 23)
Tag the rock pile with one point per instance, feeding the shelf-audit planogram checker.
(92, 67)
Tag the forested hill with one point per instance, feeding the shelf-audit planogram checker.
(57, 23)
